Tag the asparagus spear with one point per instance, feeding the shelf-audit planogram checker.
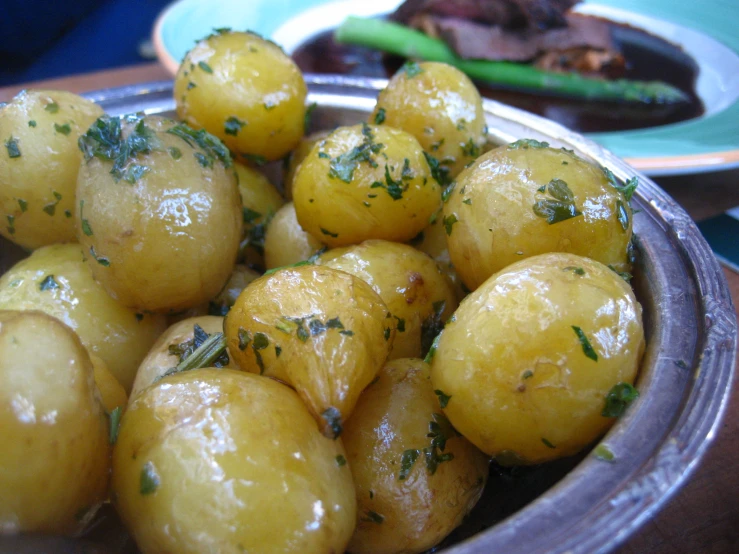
(403, 41)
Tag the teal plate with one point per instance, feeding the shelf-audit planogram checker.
(706, 30)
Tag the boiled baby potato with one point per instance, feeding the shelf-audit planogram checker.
(112, 393)
(246, 91)
(174, 345)
(55, 457)
(529, 358)
(415, 476)
(159, 212)
(216, 460)
(296, 157)
(238, 281)
(322, 331)
(418, 295)
(286, 242)
(439, 105)
(525, 199)
(365, 182)
(57, 280)
(39, 164)
(260, 200)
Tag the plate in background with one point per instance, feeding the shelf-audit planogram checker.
(705, 30)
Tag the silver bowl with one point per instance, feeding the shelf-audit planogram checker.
(685, 378)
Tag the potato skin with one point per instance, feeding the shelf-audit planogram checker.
(218, 445)
(517, 372)
(168, 240)
(57, 280)
(296, 157)
(159, 360)
(112, 393)
(55, 458)
(381, 200)
(37, 188)
(259, 92)
(415, 291)
(392, 417)
(491, 222)
(286, 242)
(322, 331)
(439, 106)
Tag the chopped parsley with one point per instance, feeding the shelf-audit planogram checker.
(373, 517)
(191, 85)
(471, 149)
(432, 326)
(602, 452)
(440, 431)
(308, 116)
(329, 233)
(203, 160)
(186, 348)
(625, 275)
(411, 69)
(86, 229)
(49, 283)
(467, 201)
(105, 262)
(340, 460)
(233, 125)
(587, 348)
(547, 443)
(205, 67)
(400, 327)
(11, 224)
(244, 338)
(22, 204)
(256, 159)
(249, 215)
(443, 398)
(618, 399)
(115, 421)
(558, 208)
(52, 107)
(525, 144)
(622, 215)
(63, 129)
(439, 172)
(12, 146)
(210, 352)
(380, 116)
(449, 222)
(627, 189)
(260, 342)
(432, 350)
(32, 123)
(51, 208)
(332, 416)
(342, 167)
(175, 152)
(211, 146)
(149, 480)
(575, 270)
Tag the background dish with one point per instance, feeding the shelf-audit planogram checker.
(705, 30)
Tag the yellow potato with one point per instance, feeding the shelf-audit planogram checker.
(322, 331)
(238, 281)
(296, 157)
(171, 347)
(212, 461)
(39, 161)
(162, 227)
(439, 105)
(415, 477)
(286, 242)
(418, 295)
(246, 91)
(522, 200)
(260, 200)
(55, 456)
(112, 394)
(55, 279)
(529, 357)
(365, 182)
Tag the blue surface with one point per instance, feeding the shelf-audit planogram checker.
(43, 39)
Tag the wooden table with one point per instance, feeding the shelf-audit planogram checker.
(704, 516)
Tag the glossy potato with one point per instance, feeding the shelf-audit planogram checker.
(211, 461)
(57, 280)
(112, 393)
(39, 161)
(440, 106)
(169, 349)
(238, 281)
(530, 356)
(260, 200)
(418, 295)
(246, 91)
(324, 332)
(55, 458)
(296, 157)
(365, 182)
(408, 502)
(162, 227)
(286, 242)
(522, 200)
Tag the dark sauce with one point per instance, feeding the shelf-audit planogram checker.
(649, 58)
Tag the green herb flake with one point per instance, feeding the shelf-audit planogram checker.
(625, 275)
(23, 205)
(587, 348)
(205, 67)
(373, 517)
(324, 155)
(261, 341)
(602, 452)
(449, 222)
(105, 262)
(380, 116)
(12, 146)
(471, 149)
(233, 125)
(447, 192)
(11, 224)
(340, 460)
(525, 144)
(560, 207)
(329, 233)
(407, 459)
(149, 480)
(443, 398)
(400, 327)
(308, 117)
(211, 146)
(278, 350)
(244, 338)
(49, 283)
(175, 152)
(332, 416)
(53, 107)
(342, 167)
(622, 215)
(411, 69)
(63, 129)
(467, 201)
(575, 270)
(618, 399)
(347, 332)
(32, 123)
(203, 160)
(528, 374)
(115, 422)
(439, 172)
(190, 85)
(86, 229)
(432, 350)
(387, 333)
(547, 443)
(256, 159)
(139, 317)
